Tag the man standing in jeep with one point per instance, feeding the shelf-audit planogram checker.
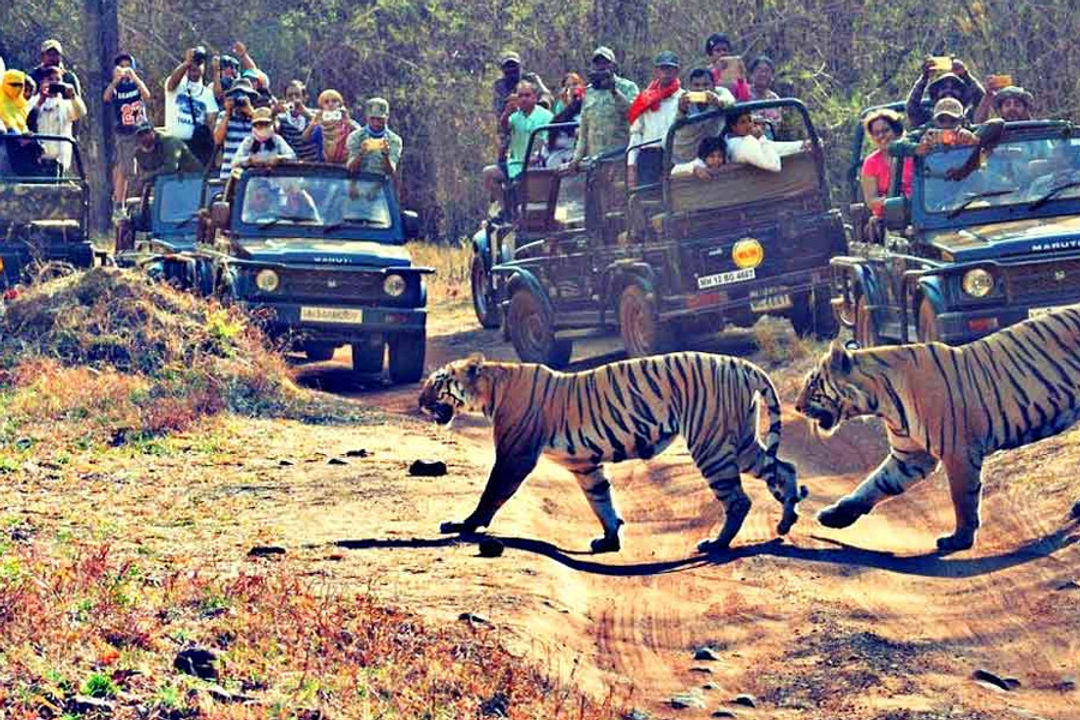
(604, 123)
(957, 83)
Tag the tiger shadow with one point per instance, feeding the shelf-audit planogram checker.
(933, 564)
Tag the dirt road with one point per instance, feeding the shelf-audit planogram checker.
(862, 623)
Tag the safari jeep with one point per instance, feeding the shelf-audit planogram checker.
(160, 229)
(675, 259)
(962, 258)
(43, 218)
(319, 255)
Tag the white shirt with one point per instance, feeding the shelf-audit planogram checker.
(651, 125)
(686, 169)
(760, 152)
(54, 118)
(280, 150)
(178, 122)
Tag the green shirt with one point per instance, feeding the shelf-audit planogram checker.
(169, 155)
(604, 124)
(521, 127)
(372, 160)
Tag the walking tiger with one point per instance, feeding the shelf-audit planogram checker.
(629, 409)
(955, 405)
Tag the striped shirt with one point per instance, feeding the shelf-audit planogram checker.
(291, 128)
(238, 129)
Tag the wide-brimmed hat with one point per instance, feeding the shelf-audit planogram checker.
(1015, 92)
(942, 80)
(241, 86)
(948, 107)
(261, 115)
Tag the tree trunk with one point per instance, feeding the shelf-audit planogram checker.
(102, 33)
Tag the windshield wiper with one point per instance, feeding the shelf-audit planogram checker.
(365, 222)
(978, 196)
(279, 218)
(1036, 204)
(188, 219)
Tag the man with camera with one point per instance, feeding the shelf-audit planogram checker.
(604, 125)
(52, 55)
(58, 107)
(234, 124)
(190, 107)
(129, 96)
(374, 148)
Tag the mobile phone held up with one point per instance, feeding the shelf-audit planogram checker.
(697, 96)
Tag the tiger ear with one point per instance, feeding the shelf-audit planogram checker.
(474, 365)
(840, 359)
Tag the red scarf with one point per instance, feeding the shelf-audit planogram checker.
(649, 98)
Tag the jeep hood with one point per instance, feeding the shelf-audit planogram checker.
(1021, 237)
(311, 251)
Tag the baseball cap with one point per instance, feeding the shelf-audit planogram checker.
(509, 56)
(261, 115)
(604, 52)
(52, 44)
(948, 107)
(666, 58)
(377, 107)
(144, 126)
(122, 57)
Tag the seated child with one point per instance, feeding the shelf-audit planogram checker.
(708, 163)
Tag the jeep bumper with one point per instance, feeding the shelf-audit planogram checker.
(754, 294)
(337, 324)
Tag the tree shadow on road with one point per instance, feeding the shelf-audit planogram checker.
(926, 565)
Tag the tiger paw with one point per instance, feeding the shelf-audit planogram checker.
(841, 514)
(463, 528)
(605, 544)
(955, 542)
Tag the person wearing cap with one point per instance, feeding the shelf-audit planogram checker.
(52, 55)
(1011, 103)
(160, 154)
(958, 84)
(129, 96)
(263, 146)
(603, 126)
(375, 148)
(512, 74)
(224, 69)
(190, 104)
(651, 115)
(235, 123)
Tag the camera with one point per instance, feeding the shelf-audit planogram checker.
(58, 89)
(602, 79)
(198, 55)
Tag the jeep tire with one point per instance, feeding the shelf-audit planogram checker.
(642, 331)
(406, 364)
(367, 358)
(532, 332)
(813, 316)
(484, 300)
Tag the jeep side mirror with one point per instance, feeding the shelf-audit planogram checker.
(896, 213)
(219, 214)
(410, 224)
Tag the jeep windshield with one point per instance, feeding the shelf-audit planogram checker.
(1028, 172)
(315, 203)
(176, 199)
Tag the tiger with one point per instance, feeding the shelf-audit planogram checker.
(948, 405)
(624, 410)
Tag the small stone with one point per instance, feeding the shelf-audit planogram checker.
(1068, 585)
(687, 700)
(197, 661)
(1005, 683)
(706, 653)
(1067, 684)
(285, 463)
(491, 547)
(722, 713)
(473, 618)
(360, 453)
(701, 669)
(265, 551)
(335, 557)
(427, 468)
(1076, 509)
(337, 461)
(745, 699)
(224, 696)
(710, 686)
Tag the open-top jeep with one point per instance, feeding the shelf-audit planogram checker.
(43, 217)
(319, 255)
(677, 258)
(164, 218)
(968, 252)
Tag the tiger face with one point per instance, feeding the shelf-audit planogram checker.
(459, 385)
(830, 393)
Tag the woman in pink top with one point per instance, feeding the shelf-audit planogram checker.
(883, 126)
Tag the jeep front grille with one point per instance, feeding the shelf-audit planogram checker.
(331, 284)
(1040, 279)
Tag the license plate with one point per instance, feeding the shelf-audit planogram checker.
(1040, 311)
(725, 278)
(779, 301)
(346, 316)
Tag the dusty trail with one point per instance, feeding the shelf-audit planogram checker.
(861, 623)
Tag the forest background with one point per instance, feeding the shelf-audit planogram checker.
(435, 60)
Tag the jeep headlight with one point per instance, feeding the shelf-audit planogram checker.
(394, 285)
(978, 283)
(267, 280)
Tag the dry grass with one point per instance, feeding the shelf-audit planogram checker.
(450, 283)
(77, 620)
